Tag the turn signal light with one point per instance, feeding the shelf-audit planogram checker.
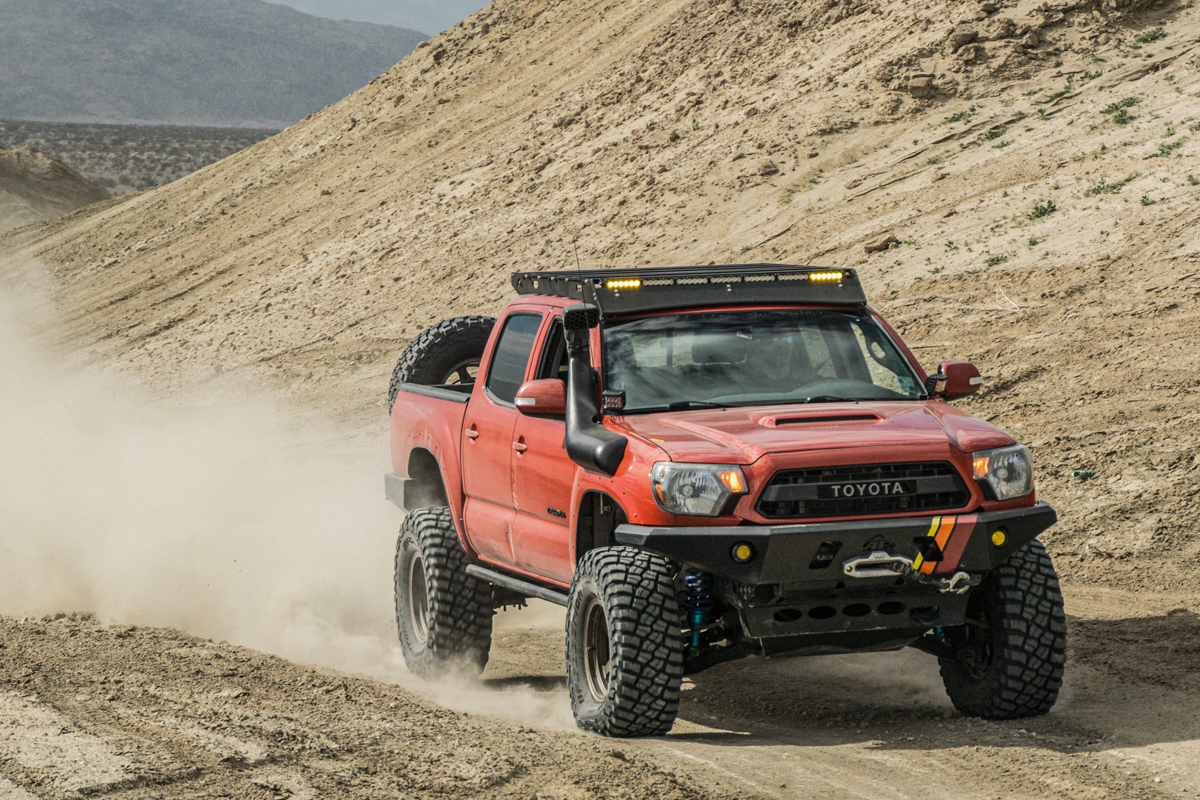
(742, 553)
(734, 481)
(824, 276)
(632, 283)
(999, 538)
(980, 465)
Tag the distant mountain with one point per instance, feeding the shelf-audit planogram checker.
(433, 16)
(240, 63)
(35, 186)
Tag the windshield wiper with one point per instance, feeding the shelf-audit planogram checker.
(687, 405)
(827, 398)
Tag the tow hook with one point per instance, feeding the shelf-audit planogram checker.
(880, 564)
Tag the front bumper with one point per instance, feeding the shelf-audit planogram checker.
(800, 556)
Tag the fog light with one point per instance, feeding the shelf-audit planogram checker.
(742, 553)
(999, 538)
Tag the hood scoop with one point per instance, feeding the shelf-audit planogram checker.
(831, 417)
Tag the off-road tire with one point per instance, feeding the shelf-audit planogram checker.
(458, 612)
(645, 643)
(434, 356)
(1013, 666)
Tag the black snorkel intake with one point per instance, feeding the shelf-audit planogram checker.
(589, 444)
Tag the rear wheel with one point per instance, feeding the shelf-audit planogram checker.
(443, 615)
(624, 644)
(1011, 653)
(445, 354)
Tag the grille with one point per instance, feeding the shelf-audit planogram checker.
(863, 490)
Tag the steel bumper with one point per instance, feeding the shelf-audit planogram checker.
(800, 556)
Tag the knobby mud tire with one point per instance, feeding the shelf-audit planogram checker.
(458, 612)
(434, 356)
(1024, 643)
(645, 643)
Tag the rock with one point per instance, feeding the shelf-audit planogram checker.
(752, 111)
(1032, 39)
(971, 53)
(988, 7)
(961, 36)
(813, 153)
(768, 168)
(1000, 28)
(921, 87)
(882, 244)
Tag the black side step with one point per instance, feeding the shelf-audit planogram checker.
(518, 585)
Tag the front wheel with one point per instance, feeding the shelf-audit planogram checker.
(1010, 655)
(443, 615)
(624, 644)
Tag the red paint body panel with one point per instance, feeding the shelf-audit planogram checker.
(744, 435)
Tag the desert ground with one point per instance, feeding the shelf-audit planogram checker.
(196, 575)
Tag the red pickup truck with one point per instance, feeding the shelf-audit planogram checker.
(708, 463)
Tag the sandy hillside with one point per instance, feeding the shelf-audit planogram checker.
(35, 186)
(1021, 172)
(1033, 165)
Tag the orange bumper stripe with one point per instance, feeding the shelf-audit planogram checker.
(952, 553)
(942, 535)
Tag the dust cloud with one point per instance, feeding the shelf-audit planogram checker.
(228, 515)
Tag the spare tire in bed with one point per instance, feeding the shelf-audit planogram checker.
(447, 353)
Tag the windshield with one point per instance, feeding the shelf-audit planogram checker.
(745, 358)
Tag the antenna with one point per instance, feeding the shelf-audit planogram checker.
(582, 282)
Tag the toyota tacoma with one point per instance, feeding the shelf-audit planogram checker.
(708, 463)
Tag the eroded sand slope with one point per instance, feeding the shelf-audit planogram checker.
(35, 186)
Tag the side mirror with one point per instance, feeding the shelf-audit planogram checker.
(547, 397)
(961, 378)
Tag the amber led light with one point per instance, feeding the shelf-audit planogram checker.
(632, 283)
(818, 277)
(733, 481)
(980, 465)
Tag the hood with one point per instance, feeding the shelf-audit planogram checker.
(744, 435)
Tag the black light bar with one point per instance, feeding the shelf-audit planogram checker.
(632, 291)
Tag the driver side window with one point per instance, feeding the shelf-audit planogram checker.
(553, 361)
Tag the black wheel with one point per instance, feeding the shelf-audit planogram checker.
(443, 616)
(624, 644)
(447, 353)
(1013, 648)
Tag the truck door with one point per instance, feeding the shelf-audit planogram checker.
(487, 447)
(543, 476)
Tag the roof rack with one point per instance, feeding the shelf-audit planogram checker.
(632, 291)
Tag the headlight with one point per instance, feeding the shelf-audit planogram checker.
(1008, 470)
(696, 490)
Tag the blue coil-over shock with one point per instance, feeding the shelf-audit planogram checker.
(697, 601)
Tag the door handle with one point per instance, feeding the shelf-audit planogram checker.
(520, 447)
(472, 434)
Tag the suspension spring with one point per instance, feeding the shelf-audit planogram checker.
(697, 602)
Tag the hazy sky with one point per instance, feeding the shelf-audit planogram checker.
(426, 16)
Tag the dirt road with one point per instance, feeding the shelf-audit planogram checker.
(879, 726)
(123, 712)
